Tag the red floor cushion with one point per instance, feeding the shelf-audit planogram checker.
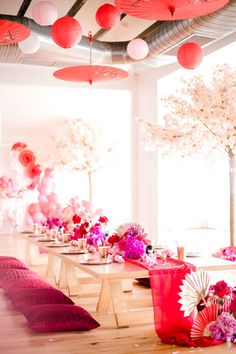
(59, 317)
(22, 298)
(11, 285)
(9, 274)
(12, 263)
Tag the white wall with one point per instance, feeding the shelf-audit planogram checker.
(34, 105)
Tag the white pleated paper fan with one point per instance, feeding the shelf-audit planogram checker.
(195, 287)
(203, 321)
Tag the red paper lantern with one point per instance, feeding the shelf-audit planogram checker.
(66, 32)
(107, 16)
(190, 55)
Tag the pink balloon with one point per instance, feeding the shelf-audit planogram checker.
(53, 197)
(46, 181)
(137, 49)
(48, 208)
(42, 198)
(29, 221)
(45, 190)
(33, 208)
(38, 217)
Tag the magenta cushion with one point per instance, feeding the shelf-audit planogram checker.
(9, 274)
(60, 317)
(5, 258)
(22, 298)
(10, 285)
(12, 263)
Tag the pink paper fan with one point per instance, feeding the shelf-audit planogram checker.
(203, 320)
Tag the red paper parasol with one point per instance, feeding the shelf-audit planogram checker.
(12, 32)
(169, 9)
(90, 73)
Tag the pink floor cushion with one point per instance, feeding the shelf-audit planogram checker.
(60, 317)
(9, 274)
(22, 298)
(12, 264)
(11, 285)
(5, 258)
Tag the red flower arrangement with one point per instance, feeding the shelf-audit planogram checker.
(26, 157)
(19, 146)
(32, 170)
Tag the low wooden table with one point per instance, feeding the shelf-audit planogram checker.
(111, 296)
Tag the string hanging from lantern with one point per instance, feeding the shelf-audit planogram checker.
(90, 73)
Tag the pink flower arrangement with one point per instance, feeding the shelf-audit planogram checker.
(86, 226)
(129, 240)
(228, 253)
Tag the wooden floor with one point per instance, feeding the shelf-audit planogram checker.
(15, 337)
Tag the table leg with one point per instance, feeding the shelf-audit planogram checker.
(104, 297)
(118, 302)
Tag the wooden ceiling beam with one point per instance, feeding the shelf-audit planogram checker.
(76, 7)
(24, 7)
(102, 30)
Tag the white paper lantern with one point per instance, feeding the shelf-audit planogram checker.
(137, 49)
(30, 45)
(44, 13)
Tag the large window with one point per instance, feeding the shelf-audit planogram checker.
(193, 194)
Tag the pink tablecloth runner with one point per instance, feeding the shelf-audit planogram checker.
(170, 324)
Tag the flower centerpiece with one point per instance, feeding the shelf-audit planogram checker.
(129, 241)
(228, 253)
(90, 228)
(214, 308)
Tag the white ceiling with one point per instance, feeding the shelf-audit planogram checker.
(127, 29)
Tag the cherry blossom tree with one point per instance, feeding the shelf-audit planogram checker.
(82, 146)
(201, 119)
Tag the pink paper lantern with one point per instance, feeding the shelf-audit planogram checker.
(190, 55)
(44, 13)
(107, 16)
(137, 49)
(66, 32)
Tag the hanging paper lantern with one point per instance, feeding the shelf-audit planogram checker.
(30, 45)
(66, 32)
(190, 55)
(169, 9)
(107, 16)
(44, 13)
(137, 49)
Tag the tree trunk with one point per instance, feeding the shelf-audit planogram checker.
(90, 186)
(232, 197)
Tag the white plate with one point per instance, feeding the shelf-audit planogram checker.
(45, 240)
(193, 254)
(58, 244)
(94, 261)
(75, 252)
